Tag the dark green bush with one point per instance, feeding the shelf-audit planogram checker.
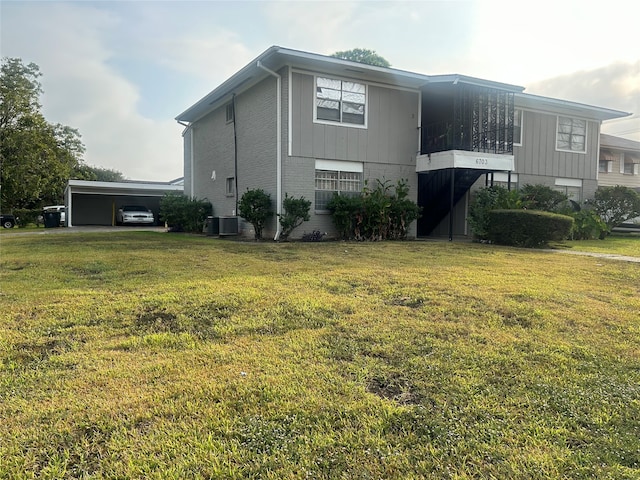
(343, 210)
(587, 225)
(296, 211)
(616, 204)
(255, 207)
(182, 213)
(380, 213)
(541, 197)
(26, 216)
(527, 228)
(485, 200)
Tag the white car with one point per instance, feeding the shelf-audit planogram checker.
(57, 208)
(134, 214)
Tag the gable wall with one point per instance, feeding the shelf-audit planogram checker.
(213, 148)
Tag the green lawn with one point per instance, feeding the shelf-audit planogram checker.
(152, 355)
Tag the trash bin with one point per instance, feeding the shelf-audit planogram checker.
(213, 226)
(51, 219)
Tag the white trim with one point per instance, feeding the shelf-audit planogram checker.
(568, 182)
(339, 165)
(419, 126)
(586, 134)
(289, 113)
(191, 165)
(316, 73)
(621, 161)
(504, 177)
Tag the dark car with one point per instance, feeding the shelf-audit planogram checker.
(8, 221)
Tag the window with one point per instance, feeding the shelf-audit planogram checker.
(517, 127)
(572, 134)
(571, 187)
(231, 185)
(230, 112)
(631, 168)
(343, 178)
(605, 166)
(340, 101)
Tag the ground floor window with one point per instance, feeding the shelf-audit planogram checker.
(331, 177)
(571, 187)
(230, 186)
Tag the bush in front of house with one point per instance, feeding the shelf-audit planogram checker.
(488, 199)
(587, 225)
(379, 213)
(296, 211)
(256, 208)
(527, 228)
(616, 205)
(184, 214)
(541, 197)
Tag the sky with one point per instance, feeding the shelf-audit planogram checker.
(121, 71)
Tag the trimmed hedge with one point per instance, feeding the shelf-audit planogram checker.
(527, 228)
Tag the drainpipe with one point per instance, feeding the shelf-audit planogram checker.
(189, 128)
(278, 145)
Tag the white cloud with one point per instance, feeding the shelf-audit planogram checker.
(528, 42)
(68, 42)
(615, 86)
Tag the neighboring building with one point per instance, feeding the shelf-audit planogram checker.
(619, 162)
(91, 202)
(302, 124)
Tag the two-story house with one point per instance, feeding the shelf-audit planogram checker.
(303, 124)
(619, 162)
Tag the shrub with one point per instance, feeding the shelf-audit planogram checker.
(296, 211)
(527, 228)
(402, 212)
(184, 214)
(255, 207)
(541, 197)
(343, 210)
(616, 204)
(485, 200)
(26, 216)
(380, 213)
(587, 225)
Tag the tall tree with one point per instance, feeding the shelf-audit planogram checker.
(363, 55)
(36, 157)
(87, 172)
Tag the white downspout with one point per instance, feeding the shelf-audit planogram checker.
(192, 181)
(278, 145)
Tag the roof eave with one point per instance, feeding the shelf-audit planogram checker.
(566, 107)
(275, 57)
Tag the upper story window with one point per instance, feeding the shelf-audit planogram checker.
(341, 101)
(517, 127)
(230, 112)
(571, 135)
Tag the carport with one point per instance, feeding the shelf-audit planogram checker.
(96, 203)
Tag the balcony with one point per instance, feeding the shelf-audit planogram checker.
(466, 126)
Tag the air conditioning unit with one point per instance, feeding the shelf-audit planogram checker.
(227, 225)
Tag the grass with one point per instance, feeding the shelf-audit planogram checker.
(617, 243)
(149, 355)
